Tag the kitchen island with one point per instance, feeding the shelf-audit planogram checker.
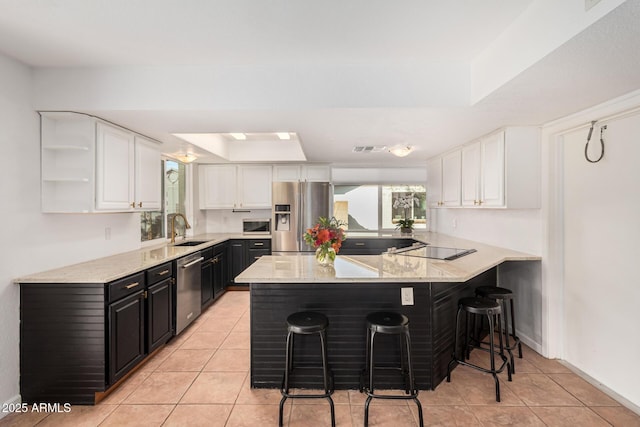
(359, 284)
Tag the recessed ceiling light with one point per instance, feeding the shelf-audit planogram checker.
(283, 135)
(239, 136)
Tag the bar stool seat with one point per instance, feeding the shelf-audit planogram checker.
(307, 323)
(502, 295)
(389, 323)
(483, 307)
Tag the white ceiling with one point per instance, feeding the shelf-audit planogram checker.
(339, 73)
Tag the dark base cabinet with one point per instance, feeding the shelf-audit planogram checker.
(206, 281)
(220, 269)
(159, 314)
(214, 273)
(126, 335)
(373, 246)
(62, 343)
(238, 252)
(245, 252)
(431, 326)
(77, 340)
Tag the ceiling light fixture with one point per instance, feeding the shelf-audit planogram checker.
(186, 158)
(238, 136)
(401, 150)
(283, 135)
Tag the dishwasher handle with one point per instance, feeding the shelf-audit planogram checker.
(194, 262)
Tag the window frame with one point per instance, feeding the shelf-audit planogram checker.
(379, 186)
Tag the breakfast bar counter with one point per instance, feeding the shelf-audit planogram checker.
(360, 284)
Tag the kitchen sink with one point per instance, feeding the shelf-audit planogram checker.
(191, 243)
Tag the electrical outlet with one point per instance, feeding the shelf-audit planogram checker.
(454, 223)
(107, 233)
(407, 296)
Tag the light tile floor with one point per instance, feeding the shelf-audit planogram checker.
(202, 378)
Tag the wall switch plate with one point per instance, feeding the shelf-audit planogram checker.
(407, 296)
(107, 233)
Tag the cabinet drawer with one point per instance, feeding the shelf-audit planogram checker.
(207, 254)
(254, 254)
(260, 244)
(161, 272)
(128, 285)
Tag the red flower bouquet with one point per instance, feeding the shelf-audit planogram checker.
(327, 236)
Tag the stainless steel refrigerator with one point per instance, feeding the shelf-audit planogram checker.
(296, 207)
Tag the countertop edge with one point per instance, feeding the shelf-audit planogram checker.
(212, 239)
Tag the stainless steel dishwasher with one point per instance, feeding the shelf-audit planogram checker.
(188, 290)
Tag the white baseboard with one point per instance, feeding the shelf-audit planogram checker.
(603, 388)
(524, 339)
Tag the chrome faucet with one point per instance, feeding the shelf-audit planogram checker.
(173, 226)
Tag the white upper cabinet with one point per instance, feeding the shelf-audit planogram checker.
(501, 170)
(254, 187)
(443, 180)
(471, 174)
(235, 186)
(286, 173)
(217, 186)
(492, 162)
(483, 172)
(114, 168)
(316, 173)
(434, 182)
(91, 166)
(148, 182)
(451, 164)
(296, 173)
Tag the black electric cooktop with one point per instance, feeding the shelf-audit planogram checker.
(433, 252)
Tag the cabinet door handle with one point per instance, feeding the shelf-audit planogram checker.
(163, 272)
(140, 204)
(133, 285)
(258, 244)
(359, 244)
(133, 204)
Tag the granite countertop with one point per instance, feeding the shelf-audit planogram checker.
(302, 268)
(104, 270)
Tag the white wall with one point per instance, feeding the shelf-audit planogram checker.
(520, 230)
(601, 234)
(33, 241)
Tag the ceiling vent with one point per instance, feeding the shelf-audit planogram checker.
(369, 148)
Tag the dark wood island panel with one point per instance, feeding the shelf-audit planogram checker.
(346, 305)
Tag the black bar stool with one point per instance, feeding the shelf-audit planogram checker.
(393, 324)
(307, 323)
(502, 295)
(484, 307)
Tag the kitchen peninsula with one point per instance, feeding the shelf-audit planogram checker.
(359, 284)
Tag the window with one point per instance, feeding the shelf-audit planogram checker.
(155, 224)
(379, 207)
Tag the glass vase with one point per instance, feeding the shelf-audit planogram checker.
(325, 257)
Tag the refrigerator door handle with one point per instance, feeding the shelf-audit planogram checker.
(301, 214)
